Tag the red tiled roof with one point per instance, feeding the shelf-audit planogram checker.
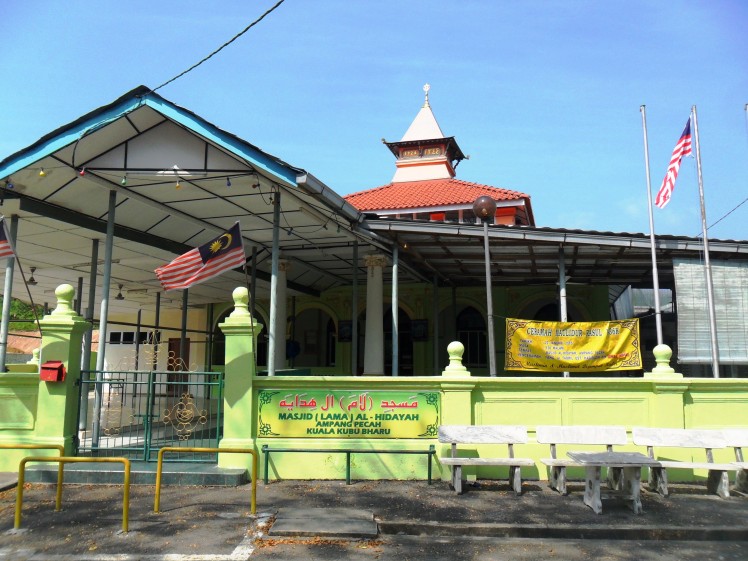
(26, 341)
(427, 193)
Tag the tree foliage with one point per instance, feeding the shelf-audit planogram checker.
(20, 311)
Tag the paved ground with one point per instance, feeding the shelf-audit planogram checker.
(413, 521)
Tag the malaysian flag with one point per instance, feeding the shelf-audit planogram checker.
(682, 148)
(6, 249)
(205, 262)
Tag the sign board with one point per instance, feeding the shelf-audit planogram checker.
(348, 414)
(552, 346)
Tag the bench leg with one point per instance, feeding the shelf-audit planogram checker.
(347, 468)
(515, 479)
(741, 480)
(631, 486)
(592, 489)
(267, 461)
(615, 478)
(431, 452)
(718, 483)
(457, 479)
(658, 480)
(558, 479)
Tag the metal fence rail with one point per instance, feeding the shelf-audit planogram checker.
(58, 498)
(143, 411)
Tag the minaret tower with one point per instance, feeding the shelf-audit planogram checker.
(424, 152)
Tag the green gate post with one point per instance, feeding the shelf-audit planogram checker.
(457, 400)
(62, 335)
(668, 401)
(457, 389)
(241, 331)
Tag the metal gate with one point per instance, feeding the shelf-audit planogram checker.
(133, 414)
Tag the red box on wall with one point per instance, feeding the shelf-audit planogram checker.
(52, 371)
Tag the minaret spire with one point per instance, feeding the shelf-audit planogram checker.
(424, 152)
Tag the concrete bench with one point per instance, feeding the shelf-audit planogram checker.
(708, 440)
(553, 435)
(738, 439)
(508, 435)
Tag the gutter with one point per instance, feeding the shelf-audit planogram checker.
(314, 187)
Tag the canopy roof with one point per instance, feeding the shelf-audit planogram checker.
(523, 255)
(142, 146)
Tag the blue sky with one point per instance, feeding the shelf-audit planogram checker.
(543, 96)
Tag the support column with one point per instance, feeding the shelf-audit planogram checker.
(562, 289)
(253, 284)
(157, 332)
(88, 339)
(62, 335)
(395, 313)
(435, 315)
(354, 313)
(281, 321)
(88, 336)
(182, 363)
(239, 421)
(104, 318)
(7, 294)
(668, 391)
(275, 257)
(374, 341)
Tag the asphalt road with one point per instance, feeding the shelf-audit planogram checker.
(214, 524)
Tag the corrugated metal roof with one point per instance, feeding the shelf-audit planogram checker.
(129, 102)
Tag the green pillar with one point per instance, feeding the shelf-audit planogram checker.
(241, 331)
(457, 389)
(62, 335)
(668, 406)
(457, 401)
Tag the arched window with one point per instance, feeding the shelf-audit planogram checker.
(549, 312)
(315, 333)
(471, 332)
(332, 339)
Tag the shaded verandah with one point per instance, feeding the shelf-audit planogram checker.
(156, 180)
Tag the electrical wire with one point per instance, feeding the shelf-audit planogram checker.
(744, 200)
(729, 213)
(219, 49)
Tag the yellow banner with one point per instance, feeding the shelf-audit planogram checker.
(554, 346)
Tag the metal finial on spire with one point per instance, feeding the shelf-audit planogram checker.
(426, 89)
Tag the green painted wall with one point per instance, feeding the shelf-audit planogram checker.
(32, 411)
(688, 403)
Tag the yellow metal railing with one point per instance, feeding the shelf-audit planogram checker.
(159, 469)
(58, 502)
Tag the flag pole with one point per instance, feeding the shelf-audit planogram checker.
(655, 276)
(705, 240)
